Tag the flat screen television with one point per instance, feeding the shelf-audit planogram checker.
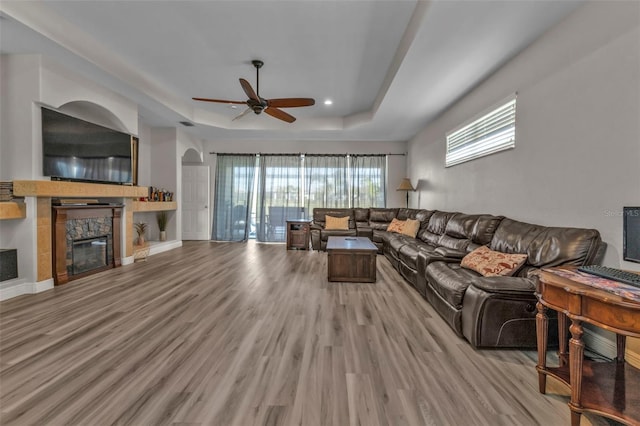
(631, 234)
(77, 150)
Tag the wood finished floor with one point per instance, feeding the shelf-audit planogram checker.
(252, 334)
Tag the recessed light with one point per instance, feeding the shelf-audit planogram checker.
(328, 102)
(233, 107)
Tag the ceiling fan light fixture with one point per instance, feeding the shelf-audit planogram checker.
(257, 104)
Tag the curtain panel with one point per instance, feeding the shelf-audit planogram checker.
(368, 180)
(279, 195)
(326, 182)
(234, 193)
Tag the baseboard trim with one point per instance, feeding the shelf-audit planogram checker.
(159, 247)
(607, 347)
(19, 287)
(126, 260)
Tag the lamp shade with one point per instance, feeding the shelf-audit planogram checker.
(405, 185)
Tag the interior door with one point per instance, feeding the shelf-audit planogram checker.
(195, 203)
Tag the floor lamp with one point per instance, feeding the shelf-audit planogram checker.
(405, 185)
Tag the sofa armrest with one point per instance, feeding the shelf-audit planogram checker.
(316, 227)
(505, 285)
(450, 253)
(365, 231)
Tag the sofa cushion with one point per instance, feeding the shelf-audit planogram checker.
(336, 223)
(461, 225)
(564, 246)
(484, 229)
(320, 214)
(435, 228)
(361, 215)
(395, 226)
(514, 237)
(408, 254)
(380, 218)
(491, 263)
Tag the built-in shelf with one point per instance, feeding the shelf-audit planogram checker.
(154, 206)
(12, 210)
(49, 188)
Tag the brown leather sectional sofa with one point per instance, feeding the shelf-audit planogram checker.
(487, 311)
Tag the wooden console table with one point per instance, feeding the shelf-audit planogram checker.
(610, 389)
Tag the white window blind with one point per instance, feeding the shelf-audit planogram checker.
(493, 132)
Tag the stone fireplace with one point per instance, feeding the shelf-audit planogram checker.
(86, 240)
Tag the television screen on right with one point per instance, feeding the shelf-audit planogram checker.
(631, 234)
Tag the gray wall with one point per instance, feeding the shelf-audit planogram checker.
(577, 155)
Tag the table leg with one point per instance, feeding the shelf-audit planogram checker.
(563, 354)
(576, 353)
(542, 322)
(621, 343)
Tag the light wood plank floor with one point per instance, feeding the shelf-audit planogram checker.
(252, 334)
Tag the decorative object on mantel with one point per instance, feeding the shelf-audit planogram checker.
(162, 224)
(405, 185)
(157, 194)
(141, 228)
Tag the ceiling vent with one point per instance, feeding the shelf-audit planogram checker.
(187, 123)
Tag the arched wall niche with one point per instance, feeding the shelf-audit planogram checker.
(192, 156)
(94, 113)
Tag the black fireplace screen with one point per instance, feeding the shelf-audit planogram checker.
(89, 254)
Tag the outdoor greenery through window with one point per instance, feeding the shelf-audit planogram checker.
(492, 132)
(256, 194)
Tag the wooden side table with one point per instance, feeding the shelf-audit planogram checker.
(298, 234)
(610, 389)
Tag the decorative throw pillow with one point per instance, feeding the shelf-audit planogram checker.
(336, 223)
(395, 226)
(411, 227)
(491, 263)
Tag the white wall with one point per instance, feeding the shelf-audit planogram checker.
(577, 156)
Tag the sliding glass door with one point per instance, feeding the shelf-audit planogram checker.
(256, 194)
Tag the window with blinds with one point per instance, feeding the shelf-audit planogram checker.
(491, 133)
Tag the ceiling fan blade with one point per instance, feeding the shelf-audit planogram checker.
(220, 101)
(249, 90)
(290, 102)
(279, 114)
(242, 114)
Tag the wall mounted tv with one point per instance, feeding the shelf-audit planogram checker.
(74, 149)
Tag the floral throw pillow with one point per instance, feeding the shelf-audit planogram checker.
(336, 223)
(395, 226)
(491, 263)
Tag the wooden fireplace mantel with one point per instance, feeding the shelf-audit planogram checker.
(51, 188)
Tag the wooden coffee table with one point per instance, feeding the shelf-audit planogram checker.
(351, 259)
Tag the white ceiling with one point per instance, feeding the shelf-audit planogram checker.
(389, 66)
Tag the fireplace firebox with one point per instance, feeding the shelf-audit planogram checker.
(88, 254)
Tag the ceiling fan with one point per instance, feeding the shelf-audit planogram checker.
(257, 104)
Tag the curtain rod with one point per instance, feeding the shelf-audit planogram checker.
(301, 153)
